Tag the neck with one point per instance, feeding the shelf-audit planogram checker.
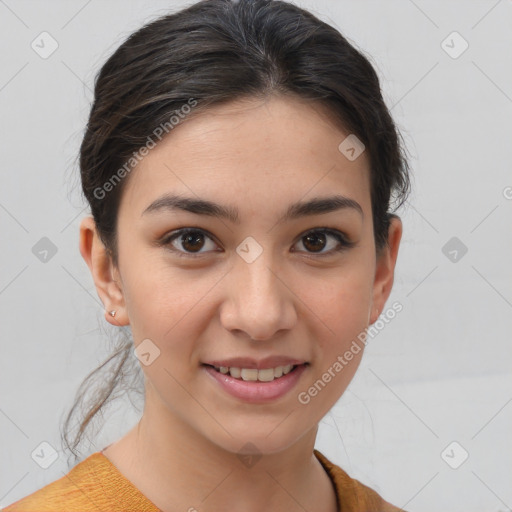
(179, 469)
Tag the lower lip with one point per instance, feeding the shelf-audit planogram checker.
(257, 391)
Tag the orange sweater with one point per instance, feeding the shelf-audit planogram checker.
(96, 485)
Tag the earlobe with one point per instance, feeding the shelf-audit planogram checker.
(100, 264)
(385, 269)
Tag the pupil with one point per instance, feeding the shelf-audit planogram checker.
(193, 239)
(313, 237)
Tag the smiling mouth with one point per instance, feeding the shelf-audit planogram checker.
(253, 374)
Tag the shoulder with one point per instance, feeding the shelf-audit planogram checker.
(352, 495)
(92, 485)
(76, 490)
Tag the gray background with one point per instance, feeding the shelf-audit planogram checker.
(439, 372)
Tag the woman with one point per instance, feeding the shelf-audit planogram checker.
(240, 163)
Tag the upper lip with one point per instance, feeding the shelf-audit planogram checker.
(249, 362)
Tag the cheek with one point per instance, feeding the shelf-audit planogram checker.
(167, 310)
(343, 309)
(341, 306)
(167, 304)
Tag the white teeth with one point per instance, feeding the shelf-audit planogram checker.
(266, 375)
(249, 374)
(253, 374)
(235, 372)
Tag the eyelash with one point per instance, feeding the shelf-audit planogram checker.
(344, 243)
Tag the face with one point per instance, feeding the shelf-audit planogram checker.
(267, 286)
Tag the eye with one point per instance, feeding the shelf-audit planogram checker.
(190, 239)
(316, 240)
(189, 242)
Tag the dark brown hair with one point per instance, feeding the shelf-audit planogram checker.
(211, 53)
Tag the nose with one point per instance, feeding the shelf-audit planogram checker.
(259, 301)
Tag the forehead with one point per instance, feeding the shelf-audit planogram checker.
(250, 152)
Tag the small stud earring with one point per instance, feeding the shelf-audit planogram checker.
(112, 313)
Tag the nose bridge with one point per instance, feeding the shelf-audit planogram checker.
(259, 282)
(253, 266)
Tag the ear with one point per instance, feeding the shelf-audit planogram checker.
(105, 275)
(385, 269)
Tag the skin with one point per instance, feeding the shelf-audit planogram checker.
(258, 156)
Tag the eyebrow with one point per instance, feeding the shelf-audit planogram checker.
(296, 210)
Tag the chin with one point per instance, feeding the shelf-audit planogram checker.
(265, 439)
